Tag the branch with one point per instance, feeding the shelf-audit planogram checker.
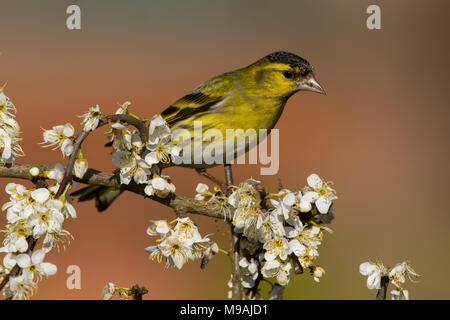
(235, 247)
(381, 294)
(180, 204)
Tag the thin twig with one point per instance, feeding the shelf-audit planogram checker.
(235, 247)
(381, 294)
(124, 118)
(67, 178)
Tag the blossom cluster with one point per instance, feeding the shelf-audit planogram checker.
(63, 137)
(136, 159)
(397, 275)
(9, 131)
(278, 230)
(179, 244)
(215, 199)
(32, 214)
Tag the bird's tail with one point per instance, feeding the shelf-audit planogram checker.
(104, 196)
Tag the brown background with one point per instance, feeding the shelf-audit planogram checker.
(381, 133)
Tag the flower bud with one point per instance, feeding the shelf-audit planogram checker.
(34, 171)
(305, 206)
(318, 273)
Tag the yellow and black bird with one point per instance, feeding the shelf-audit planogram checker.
(252, 97)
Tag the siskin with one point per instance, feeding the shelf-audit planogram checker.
(252, 97)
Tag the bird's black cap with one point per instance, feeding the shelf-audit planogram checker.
(291, 59)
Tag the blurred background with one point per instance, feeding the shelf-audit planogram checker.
(381, 133)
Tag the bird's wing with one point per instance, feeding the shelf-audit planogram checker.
(201, 99)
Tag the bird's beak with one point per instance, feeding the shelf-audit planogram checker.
(309, 83)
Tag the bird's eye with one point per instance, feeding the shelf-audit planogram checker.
(288, 74)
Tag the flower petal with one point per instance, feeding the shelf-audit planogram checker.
(23, 260)
(310, 196)
(38, 256)
(374, 281)
(323, 204)
(366, 268)
(289, 199)
(40, 195)
(314, 181)
(48, 268)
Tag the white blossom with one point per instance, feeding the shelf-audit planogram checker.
(297, 248)
(249, 272)
(159, 227)
(108, 291)
(92, 118)
(278, 269)
(121, 137)
(374, 272)
(159, 186)
(203, 192)
(187, 231)
(284, 207)
(162, 151)
(400, 271)
(35, 265)
(60, 136)
(271, 227)
(14, 242)
(57, 173)
(245, 194)
(123, 109)
(179, 244)
(320, 193)
(276, 248)
(248, 217)
(175, 252)
(44, 220)
(131, 167)
(20, 287)
(9, 131)
(158, 130)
